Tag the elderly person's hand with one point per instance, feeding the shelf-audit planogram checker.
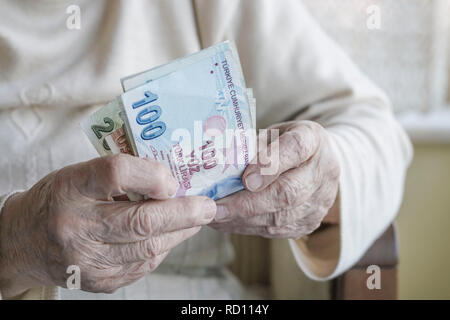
(292, 202)
(70, 218)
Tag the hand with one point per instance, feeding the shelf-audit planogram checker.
(292, 202)
(70, 218)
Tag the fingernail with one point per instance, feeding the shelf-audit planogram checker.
(222, 213)
(209, 209)
(254, 181)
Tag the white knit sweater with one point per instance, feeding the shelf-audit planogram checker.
(51, 77)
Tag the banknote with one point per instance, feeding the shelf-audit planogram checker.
(196, 118)
(194, 114)
(252, 104)
(141, 78)
(118, 142)
(101, 123)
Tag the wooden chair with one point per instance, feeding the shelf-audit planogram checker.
(383, 253)
(252, 261)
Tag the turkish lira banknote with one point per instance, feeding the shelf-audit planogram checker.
(195, 115)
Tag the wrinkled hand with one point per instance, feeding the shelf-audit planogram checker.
(70, 218)
(292, 202)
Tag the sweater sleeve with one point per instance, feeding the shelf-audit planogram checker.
(298, 72)
(40, 293)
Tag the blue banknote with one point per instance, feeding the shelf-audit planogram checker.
(195, 116)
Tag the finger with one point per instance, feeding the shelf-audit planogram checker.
(141, 268)
(291, 223)
(306, 218)
(290, 190)
(273, 219)
(121, 254)
(128, 274)
(266, 232)
(123, 222)
(294, 147)
(106, 177)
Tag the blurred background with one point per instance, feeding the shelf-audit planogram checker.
(404, 47)
(408, 56)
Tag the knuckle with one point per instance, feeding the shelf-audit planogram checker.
(296, 144)
(295, 230)
(310, 226)
(150, 248)
(280, 218)
(246, 204)
(159, 219)
(139, 223)
(287, 218)
(272, 231)
(300, 144)
(160, 174)
(140, 270)
(152, 266)
(114, 166)
(287, 192)
(306, 137)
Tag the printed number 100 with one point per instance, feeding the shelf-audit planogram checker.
(149, 116)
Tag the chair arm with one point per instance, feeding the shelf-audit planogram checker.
(353, 283)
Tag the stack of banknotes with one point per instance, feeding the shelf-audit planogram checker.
(195, 115)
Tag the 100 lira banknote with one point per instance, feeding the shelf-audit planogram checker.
(194, 114)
